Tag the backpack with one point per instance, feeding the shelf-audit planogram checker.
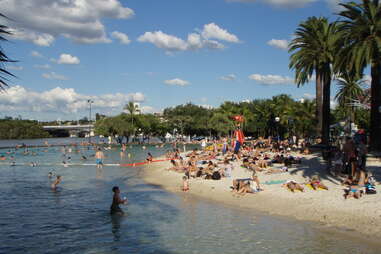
(370, 189)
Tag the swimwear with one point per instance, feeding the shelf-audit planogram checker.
(99, 161)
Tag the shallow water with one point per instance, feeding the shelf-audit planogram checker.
(75, 218)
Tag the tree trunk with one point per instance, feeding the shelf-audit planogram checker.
(319, 101)
(375, 114)
(326, 109)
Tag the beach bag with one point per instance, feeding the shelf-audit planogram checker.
(370, 189)
(216, 175)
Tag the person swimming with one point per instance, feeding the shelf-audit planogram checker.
(116, 201)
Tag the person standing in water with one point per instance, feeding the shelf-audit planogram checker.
(99, 156)
(55, 183)
(116, 201)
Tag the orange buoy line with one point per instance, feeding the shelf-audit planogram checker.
(141, 163)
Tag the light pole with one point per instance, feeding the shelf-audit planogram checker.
(90, 102)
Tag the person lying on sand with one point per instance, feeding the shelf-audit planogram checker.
(316, 183)
(246, 188)
(276, 170)
(293, 186)
(353, 191)
(239, 183)
(251, 166)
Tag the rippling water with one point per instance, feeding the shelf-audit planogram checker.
(75, 218)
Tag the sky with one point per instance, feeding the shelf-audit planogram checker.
(158, 53)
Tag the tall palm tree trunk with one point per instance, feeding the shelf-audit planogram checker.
(375, 114)
(319, 101)
(326, 109)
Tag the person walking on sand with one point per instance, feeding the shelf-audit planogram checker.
(99, 156)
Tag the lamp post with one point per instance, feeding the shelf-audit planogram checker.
(277, 119)
(90, 102)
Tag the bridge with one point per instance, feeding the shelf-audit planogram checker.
(84, 127)
(74, 130)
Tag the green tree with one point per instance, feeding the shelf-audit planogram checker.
(313, 51)
(132, 109)
(350, 88)
(361, 28)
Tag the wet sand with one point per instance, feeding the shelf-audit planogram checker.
(325, 208)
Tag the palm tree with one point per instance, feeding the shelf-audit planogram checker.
(361, 30)
(313, 51)
(132, 109)
(350, 89)
(3, 57)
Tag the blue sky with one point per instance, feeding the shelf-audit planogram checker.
(158, 53)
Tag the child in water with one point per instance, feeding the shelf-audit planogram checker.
(185, 186)
(116, 201)
(56, 182)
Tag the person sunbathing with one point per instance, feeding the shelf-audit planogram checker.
(316, 183)
(293, 186)
(249, 165)
(239, 183)
(261, 163)
(246, 188)
(276, 170)
(353, 191)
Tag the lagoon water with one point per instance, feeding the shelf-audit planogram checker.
(75, 218)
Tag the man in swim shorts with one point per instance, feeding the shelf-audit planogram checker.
(99, 156)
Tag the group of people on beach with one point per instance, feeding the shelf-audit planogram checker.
(267, 156)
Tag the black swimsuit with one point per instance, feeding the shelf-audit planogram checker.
(115, 209)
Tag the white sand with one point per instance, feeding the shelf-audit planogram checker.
(326, 207)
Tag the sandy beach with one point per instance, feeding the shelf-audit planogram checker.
(328, 208)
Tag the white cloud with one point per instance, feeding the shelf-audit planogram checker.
(63, 100)
(148, 110)
(42, 21)
(194, 40)
(230, 77)
(121, 37)
(16, 68)
(55, 76)
(271, 79)
(164, 41)
(309, 96)
(334, 4)
(280, 44)
(42, 66)
(68, 59)
(279, 3)
(176, 82)
(40, 39)
(36, 54)
(213, 31)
